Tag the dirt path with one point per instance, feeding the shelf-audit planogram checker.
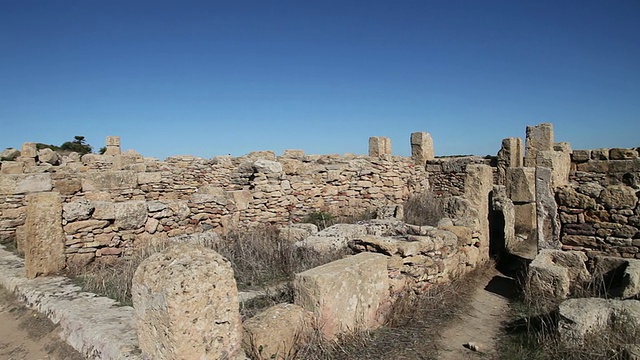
(27, 334)
(481, 323)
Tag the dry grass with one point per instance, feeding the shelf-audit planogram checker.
(423, 209)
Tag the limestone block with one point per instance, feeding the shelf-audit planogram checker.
(509, 155)
(548, 221)
(104, 210)
(618, 197)
(77, 210)
(600, 154)
(560, 164)
(113, 141)
(267, 166)
(109, 180)
(48, 156)
(581, 155)
(501, 202)
(591, 189)
(24, 183)
(185, 304)
(43, 235)
(130, 215)
(521, 184)
(274, 333)
(84, 226)
(556, 273)
(149, 177)
(345, 294)
(569, 197)
(293, 154)
(580, 317)
(29, 150)
(333, 237)
(242, 198)
(379, 146)
(539, 138)
(421, 148)
(525, 219)
(622, 154)
(478, 185)
(297, 232)
(9, 154)
(113, 145)
(67, 186)
(124, 162)
(198, 198)
(12, 167)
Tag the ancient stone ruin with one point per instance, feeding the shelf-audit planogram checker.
(575, 207)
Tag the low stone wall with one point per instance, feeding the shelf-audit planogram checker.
(447, 174)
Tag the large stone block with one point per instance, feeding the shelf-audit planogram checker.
(560, 164)
(478, 185)
(12, 167)
(345, 295)
(619, 197)
(274, 333)
(241, 198)
(24, 183)
(379, 146)
(509, 155)
(29, 150)
(185, 304)
(130, 215)
(333, 237)
(421, 148)
(43, 236)
(525, 219)
(548, 221)
(539, 138)
(109, 180)
(556, 273)
(622, 154)
(521, 184)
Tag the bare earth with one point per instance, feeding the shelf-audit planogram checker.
(480, 324)
(27, 334)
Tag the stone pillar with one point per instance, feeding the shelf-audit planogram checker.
(43, 238)
(28, 153)
(379, 146)
(521, 189)
(548, 222)
(421, 148)
(510, 155)
(185, 304)
(345, 294)
(477, 187)
(559, 161)
(113, 145)
(539, 138)
(501, 203)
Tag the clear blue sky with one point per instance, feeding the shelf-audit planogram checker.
(217, 77)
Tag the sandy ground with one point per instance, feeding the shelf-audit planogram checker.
(27, 334)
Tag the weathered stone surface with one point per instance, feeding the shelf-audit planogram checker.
(569, 197)
(186, 305)
(149, 177)
(580, 317)
(592, 189)
(77, 210)
(421, 147)
(25, 183)
(274, 333)
(622, 154)
(109, 180)
(345, 294)
(333, 237)
(130, 215)
(547, 219)
(297, 232)
(556, 273)
(67, 186)
(198, 198)
(509, 155)
(12, 167)
(539, 138)
(501, 202)
(29, 150)
(379, 146)
(478, 185)
(9, 154)
(618, 197)
(560, 164)
(581, 155)
(84, 226)
(241, 198)
(44, 239)
(48, 156)
(267, 166)
(113, 145)
(104, 210)
(521, 184)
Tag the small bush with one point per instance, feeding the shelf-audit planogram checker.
(320, 219)
(424, 209)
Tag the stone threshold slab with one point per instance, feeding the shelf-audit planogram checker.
(95, 326)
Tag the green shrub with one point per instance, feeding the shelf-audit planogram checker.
(423, 209)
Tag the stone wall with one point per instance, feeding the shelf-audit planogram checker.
(599, 209)
(447, 174)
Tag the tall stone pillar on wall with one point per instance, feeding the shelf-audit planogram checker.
(539, 138)
(379, 146)
(113, 145)
(548, 222)
(43, 239)
(559, 161)
(421, 148)
(521, 189)
(510, 155)
(28, 153)
(477, 187)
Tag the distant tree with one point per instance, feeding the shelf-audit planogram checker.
(78, 145)
(41, 146)
(102, 150)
